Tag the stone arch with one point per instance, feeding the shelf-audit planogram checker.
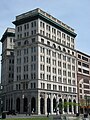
(74, 106)
(48, 105)
(64, 49)
(54, 46)
(59, 47)
(60, 106)
(33, 104)
(54, 105)
(42, 105)
(26, 42)
(65, 105)
(18, 105)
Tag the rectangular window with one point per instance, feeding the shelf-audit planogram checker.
(19, 43)
(69, 81)
(64, 73)
(65, 88)
(69, 89)
(74, 90)
(79, 56)
(73, 60)
(85, 71)
(86, 81)
(42, 40)
(49, 86)
(79, 63)
(64, 57)
(85, 65)
(60, 79)
(60, 88)
(33, 40)
(84, 58)
(54, 87)
(64, 80)
(64, 65)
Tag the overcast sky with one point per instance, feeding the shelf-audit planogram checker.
(75, 13)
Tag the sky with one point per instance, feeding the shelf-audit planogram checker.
(75, 13)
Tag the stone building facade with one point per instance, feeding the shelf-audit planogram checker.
(83, 77)
(7, 67)
(44, 65)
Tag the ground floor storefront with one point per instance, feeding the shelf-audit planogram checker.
(39, 102)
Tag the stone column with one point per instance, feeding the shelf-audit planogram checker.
(51, 103)
(45, 104)
(63, 106)
(21, 104)
(5, 103)
(68, 106)
(13, 103)
(38, 103)
(72, 107)
(57, 102)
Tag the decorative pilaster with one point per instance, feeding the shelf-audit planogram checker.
(39, 103)
(45, 104)
(51, 103)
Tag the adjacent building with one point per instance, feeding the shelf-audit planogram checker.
(83, 77)
(7, 68)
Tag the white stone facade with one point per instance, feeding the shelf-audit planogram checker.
(44, 65)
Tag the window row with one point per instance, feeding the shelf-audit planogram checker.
(57, 47)
(58, 87)
(55, 31)
(26, 26)
(26, 34)
(65, 58)
(26, 42)
(55, 78)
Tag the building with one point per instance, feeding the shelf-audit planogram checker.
(0, 98)
(83, 77)
(7, 67)
(45, 63)
(44, 66)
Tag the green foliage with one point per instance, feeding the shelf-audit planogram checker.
(44, 118)
(63, 105)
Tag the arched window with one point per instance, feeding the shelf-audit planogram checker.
(64, 50)
(65, 105)
(60, 106)
(18, 104)
(42, 105)
(59, 47)
(54, 46)
(54, 105)
(48, 105)
(74, 106)
(69, 51)
(26, 42)
(33, 104)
